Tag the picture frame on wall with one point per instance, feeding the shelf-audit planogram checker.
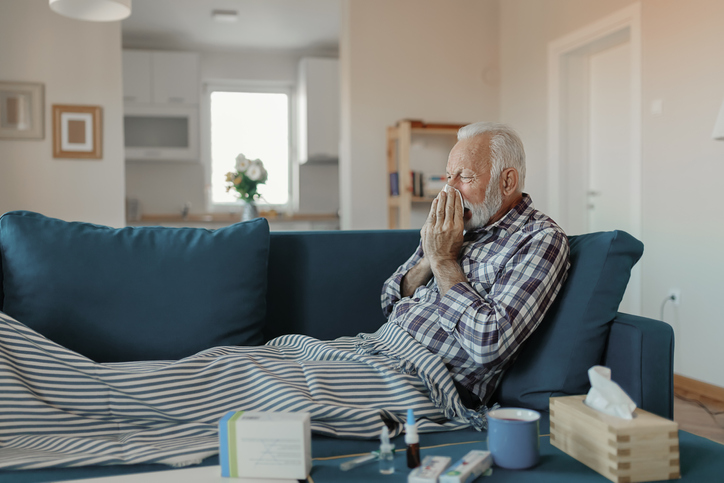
(77, 132)
(21, 110)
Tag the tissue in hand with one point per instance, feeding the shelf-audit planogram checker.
(448, 189)
(607, 396)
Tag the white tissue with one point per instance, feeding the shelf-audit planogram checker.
(447, 188)
(607, 396)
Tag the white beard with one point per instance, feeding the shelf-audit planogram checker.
(484, 211)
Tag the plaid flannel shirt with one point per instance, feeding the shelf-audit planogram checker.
(515, 268)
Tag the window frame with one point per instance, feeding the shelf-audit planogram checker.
(275, 87)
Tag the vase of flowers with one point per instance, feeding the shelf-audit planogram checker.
(246, 178)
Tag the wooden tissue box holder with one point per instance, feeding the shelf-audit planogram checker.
(645, 448)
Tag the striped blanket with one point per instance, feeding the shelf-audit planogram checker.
(58, 408)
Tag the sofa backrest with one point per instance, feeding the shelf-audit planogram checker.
(572, 336)
(328, 283)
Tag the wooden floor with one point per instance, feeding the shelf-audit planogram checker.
(701, 418)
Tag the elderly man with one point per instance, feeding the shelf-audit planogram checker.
(488, 266)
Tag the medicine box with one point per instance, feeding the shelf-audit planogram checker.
(645, 448)
(429, 470)
(265, 445)
(468, 468)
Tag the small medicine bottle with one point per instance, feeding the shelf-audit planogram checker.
(412, 440)
(387, 455)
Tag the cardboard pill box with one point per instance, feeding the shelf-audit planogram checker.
(645, 448)
(265, 445)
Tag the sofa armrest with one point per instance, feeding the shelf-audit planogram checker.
(640, 353)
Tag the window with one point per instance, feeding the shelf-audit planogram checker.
(255, 123)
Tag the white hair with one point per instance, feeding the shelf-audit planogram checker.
(506, 148)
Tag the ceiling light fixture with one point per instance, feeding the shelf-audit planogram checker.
(227, 16)
(93, 10)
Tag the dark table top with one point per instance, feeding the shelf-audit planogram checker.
(702, 460)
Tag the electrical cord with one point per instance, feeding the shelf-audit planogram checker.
(663, 305)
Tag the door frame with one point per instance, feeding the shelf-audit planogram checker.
(561, 157)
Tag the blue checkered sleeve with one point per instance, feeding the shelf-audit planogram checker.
(490, 321)
(392, 288)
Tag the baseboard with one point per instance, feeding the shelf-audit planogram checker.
(698, 390)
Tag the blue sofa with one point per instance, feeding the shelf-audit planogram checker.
(323, 284)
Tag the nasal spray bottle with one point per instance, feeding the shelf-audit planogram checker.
(412, 440)
(387, 455)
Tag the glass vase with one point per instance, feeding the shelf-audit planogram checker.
(249, 210)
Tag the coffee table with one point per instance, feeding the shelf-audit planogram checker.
(702, 460)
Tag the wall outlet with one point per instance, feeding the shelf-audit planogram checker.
(675, 296)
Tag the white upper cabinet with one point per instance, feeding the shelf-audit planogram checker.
(161, 97)
(136, 76)
(318, 109)
(158, 77)
(175, 77)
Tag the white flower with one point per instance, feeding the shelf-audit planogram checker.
(242, 163)
(255, 172)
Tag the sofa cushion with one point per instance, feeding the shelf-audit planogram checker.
(136, 293)
(572, 336)
(336, 277)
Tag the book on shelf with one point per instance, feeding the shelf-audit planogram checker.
(420, 185)
(434, 183)
(417, 187)
(394, 184)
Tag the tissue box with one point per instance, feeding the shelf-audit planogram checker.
(265, 445)
(645, 448)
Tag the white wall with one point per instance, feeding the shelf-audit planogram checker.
(79, 63)
(319, 187)
(421, 59)
(682, 165)
(683, 169)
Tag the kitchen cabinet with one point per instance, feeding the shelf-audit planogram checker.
(161, 113)
(136, 76)
(318, 110)
(159, 77)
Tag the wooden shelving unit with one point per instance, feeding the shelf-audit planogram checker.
(399, 138)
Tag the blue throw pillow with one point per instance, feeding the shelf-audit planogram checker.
(571, 338)
(136, 293)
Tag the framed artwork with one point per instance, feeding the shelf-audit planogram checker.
(21, 110)
(77, 132)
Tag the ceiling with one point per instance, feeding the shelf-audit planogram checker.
(296, 25)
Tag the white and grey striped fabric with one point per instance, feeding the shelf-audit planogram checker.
(58, 408)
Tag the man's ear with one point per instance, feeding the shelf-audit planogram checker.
(509, 181)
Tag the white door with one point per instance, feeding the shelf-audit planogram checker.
(595, 131)
(609, 140)
(609, 195)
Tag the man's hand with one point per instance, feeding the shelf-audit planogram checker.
(442, 239)
(442, 234)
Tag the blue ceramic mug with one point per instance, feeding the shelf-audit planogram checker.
(513, 437)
